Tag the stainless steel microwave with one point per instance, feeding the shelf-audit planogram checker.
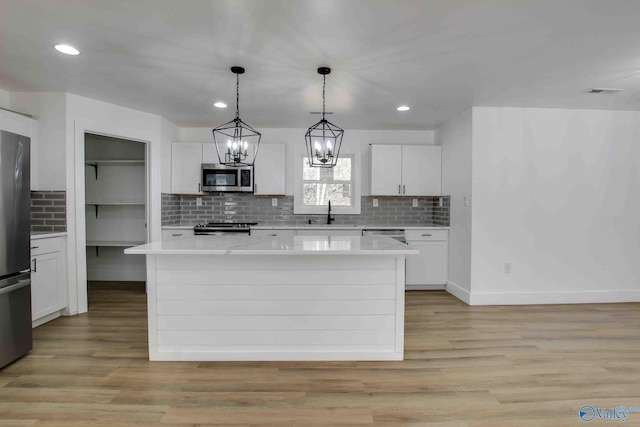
(216, 177)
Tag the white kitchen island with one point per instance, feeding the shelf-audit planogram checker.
(256, 298)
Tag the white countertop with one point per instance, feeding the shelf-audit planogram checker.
(325, 227)
(298, 245)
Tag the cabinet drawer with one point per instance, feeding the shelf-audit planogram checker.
(427, 235)
(45, 246)
(176, 234)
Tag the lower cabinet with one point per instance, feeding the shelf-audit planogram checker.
(48, 284)
(176, 234)
(428, 269)
(273, 233)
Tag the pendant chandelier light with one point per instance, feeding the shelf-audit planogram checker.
(323, 139)
(236, 142)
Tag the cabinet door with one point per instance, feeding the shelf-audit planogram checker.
(421, 170)
(386, 170)
(323, 232)
(176, 234)
(209, 153)
(45, 286)
(186, 166)
(273, 233)
(269, 169)
(429, 267)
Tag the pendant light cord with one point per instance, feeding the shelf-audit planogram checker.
(324, 84)
(237, 96)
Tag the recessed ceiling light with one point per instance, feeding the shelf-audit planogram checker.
(220, 105)
(67, 49)
(403, 108)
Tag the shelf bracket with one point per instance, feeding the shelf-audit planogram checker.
(95, 167)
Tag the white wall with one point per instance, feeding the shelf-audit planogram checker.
(555, 193)
(5, 99)
(455, 137)
(48, 145)
(355, 141)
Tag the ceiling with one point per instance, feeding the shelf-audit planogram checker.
(173, 58)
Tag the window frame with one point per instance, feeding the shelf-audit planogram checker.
(300, 208)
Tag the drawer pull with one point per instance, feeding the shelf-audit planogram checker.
(35, 265)
(35, 247)
(427, 235)
(273, 235)
(176, 235)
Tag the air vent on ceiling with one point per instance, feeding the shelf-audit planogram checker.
(604, 90)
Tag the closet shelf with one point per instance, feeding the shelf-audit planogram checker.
(121, 243)
(114, 162)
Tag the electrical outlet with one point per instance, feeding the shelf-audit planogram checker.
(274, 201)
(198, 201)
(414, 203)
(507, 268)
(375, 203)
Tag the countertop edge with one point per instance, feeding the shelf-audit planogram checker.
(47, 235)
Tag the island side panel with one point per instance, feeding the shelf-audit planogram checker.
(152, 307)
(400, 279)
(274, 307)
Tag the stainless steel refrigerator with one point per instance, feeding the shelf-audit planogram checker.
(15, 261)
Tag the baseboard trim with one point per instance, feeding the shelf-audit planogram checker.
(458, 292)
(44, 319)
(582, 297)
(424, 287)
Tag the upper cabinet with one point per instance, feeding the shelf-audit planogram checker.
(269, 170)
(186, 167)
(405, 170)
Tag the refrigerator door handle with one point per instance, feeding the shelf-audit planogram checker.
(20, 284)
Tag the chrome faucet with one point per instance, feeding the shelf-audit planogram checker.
(329, 217)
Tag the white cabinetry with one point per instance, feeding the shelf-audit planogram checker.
(48, 284)
(405, 170)
(176, 234)
(269, 169)
(428, 269)
(186, 165)
(327, 232)
(273, 233)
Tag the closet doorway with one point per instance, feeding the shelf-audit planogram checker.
(116, 212)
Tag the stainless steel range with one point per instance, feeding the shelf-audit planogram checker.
(223, 228)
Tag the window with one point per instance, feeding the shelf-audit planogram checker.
(315, 187)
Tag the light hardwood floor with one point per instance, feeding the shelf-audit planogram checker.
(464, 366)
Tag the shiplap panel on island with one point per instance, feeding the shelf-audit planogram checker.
(286, 305)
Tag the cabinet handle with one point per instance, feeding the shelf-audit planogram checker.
(35, 265)
(35, 247)
(273, 235)
(399, 186)
(199, 191)
(176, 235)
(427, 235)
(255, 188)
(404, 189)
